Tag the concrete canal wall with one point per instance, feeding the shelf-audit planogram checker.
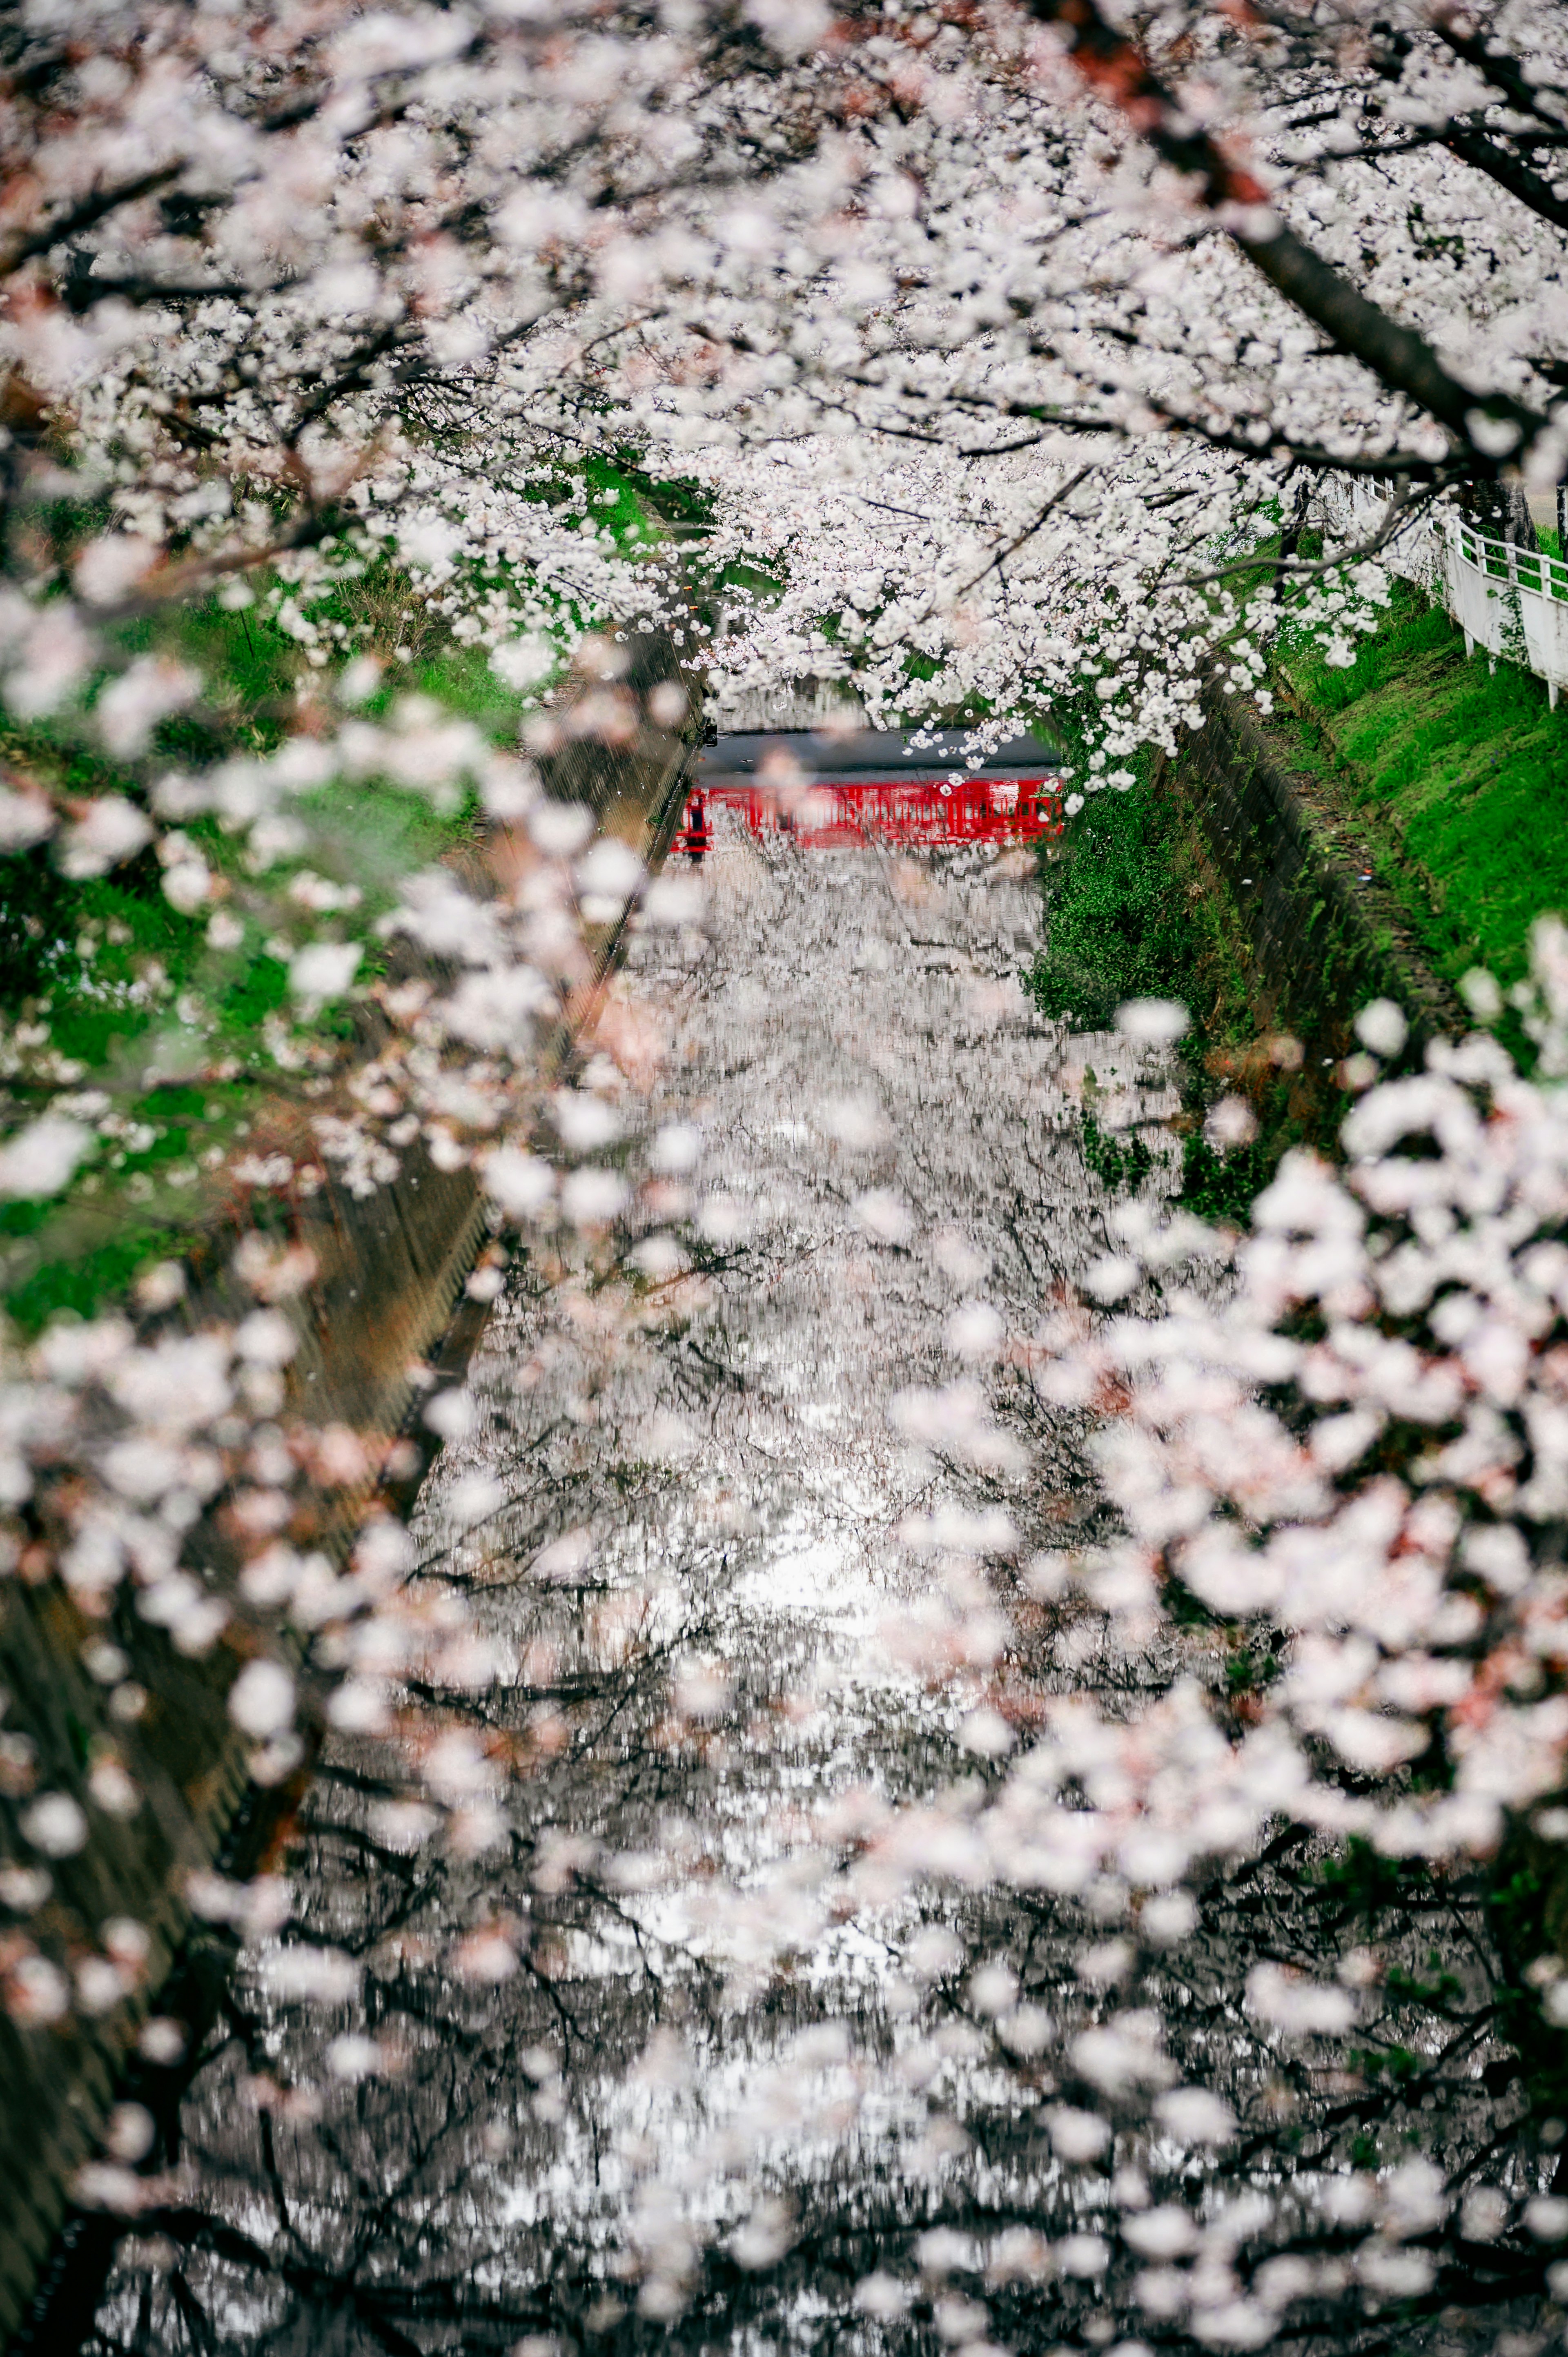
(1320, 933)
(391, 1271)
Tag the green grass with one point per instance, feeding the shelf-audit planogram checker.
(1117, 921)
(84, 1283)
(104, 966)
(103, 963)
(1130, 914)
(1458, 773)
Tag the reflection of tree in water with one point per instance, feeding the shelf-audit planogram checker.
(399, 2205)
(650, 2047)
(478, 2192)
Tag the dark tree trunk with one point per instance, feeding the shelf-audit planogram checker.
(1501, 508)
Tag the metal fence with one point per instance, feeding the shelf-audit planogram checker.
(1510, 600)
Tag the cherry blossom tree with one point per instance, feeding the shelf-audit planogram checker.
(987, 360)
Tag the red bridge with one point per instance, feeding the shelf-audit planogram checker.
(825, 790)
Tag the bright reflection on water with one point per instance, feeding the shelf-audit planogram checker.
(646, 2049)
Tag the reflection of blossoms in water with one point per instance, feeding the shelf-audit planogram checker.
(911, 1712)
(856, 1892)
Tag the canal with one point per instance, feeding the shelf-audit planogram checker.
(701, 1995)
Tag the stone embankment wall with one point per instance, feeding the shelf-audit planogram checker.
(390, 1274)
(1321, 941)
(1320, 938)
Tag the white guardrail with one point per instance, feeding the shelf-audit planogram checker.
(1512, 601)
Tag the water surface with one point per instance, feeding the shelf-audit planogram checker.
(640, 2032)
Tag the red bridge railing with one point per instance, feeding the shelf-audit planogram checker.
(920, 812)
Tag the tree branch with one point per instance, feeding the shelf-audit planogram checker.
(1484, 154)
(84, 214)
(1503, 72)
(1403, 361)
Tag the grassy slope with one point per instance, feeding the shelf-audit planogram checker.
(75, 950)
(1118, 922)
(1457, 774)
(146, 1200)
(1131, 912)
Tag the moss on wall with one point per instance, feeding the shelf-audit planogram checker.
(1135, 907)
(1457, 774)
